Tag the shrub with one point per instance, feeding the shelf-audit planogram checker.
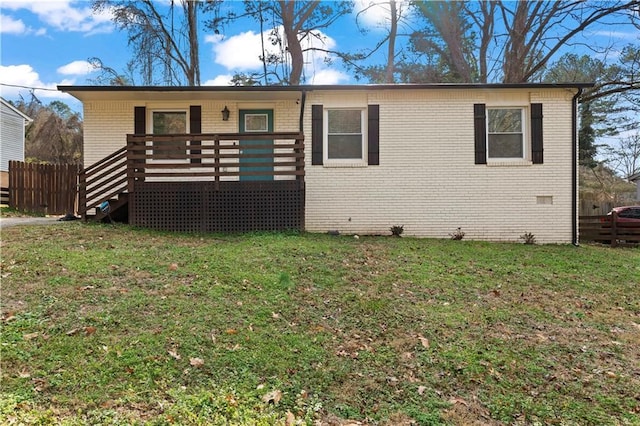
(458, 235)
(396, 230)
(528, 238)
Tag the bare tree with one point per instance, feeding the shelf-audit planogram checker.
(448, 21)
(301, 22)
(513, 41)
(624, 157)
(162, 38)
(55, 135)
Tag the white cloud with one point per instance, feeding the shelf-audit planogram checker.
(242, 53)
(328, 76)
(239, 52)
(221, 80)
(17, 79)
(76, 68)
(373, 15)
(630, 35)
(65, 15)
(9, 25)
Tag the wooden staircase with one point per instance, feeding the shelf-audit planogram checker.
(104, 182)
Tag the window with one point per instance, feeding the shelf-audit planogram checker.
(345, 135)
(256, 122)
(505, 133)
(169, 123)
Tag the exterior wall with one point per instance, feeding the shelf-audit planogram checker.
(107, 123)
(427, 180)
(11, 137)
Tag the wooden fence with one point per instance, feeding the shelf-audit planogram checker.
(43, 188)
(609, 229)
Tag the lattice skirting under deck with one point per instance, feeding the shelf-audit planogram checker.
(231, 207)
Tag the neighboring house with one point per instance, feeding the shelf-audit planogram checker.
(12, 127)
(635, 178)
(496, 160)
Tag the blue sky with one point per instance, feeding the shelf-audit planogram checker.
(47, 42)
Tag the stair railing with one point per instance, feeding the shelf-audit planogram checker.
(102, 181)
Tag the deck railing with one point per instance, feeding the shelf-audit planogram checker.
(215, 157)
(198, 157)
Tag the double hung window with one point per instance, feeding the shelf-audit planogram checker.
(505, 133)
(345, 135)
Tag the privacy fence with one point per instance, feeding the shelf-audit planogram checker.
(609, 229)
(43, 188)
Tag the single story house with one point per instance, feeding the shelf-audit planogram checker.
(12, 127)
(495, 160)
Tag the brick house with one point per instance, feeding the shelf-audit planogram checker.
(496, 160)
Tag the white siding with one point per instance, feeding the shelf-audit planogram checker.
(11, 137)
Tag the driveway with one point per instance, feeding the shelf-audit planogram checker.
(6, 222)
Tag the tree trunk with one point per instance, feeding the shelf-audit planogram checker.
(391, 49)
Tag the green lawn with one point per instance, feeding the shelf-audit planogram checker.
(113, 325)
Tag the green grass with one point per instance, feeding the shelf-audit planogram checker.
(112, 325)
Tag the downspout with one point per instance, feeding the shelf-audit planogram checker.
(574, 168)
(303, 99)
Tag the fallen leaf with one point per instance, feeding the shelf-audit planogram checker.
(73, 332)
(273, 397)
(290, 420)
(457, 400)
(196, 362)
(424, 341)
(231, 400)
(24, 374)
(173, 267)
(174, 354)
(231, 331)
(89, 330)
(274, 315)
(421, 389)
(30, 336)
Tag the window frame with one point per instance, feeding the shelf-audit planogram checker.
(151, 112)
(345, 162)
(524, 131)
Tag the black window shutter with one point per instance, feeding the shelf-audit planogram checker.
(536, 134)
(195, 126)
(316, 134)
(480, 131)
(139, 120)
(373, 145)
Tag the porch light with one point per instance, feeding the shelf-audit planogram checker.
(225, 113)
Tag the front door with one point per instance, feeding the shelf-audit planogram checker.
(256, 121)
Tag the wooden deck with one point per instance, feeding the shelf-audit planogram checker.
(203, 182)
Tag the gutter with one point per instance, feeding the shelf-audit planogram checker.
(574, 168)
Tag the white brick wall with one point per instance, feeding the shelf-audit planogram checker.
(426, 180)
